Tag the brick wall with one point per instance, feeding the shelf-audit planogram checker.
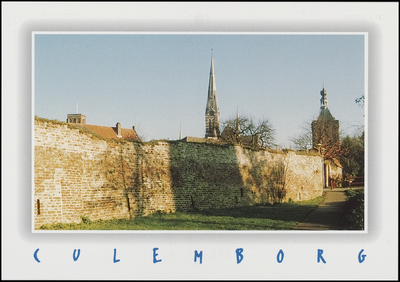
(79, 174)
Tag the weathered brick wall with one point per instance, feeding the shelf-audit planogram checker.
(277, 177)
(204, 175)
(78, 174)
(70, 178)
(333, 172)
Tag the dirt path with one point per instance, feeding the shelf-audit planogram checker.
(328, 214)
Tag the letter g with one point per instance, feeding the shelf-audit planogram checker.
(361, 257)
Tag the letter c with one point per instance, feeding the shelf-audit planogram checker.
(35, 255)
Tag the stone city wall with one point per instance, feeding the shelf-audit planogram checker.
(78, 174)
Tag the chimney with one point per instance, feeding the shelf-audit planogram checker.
(119, 131)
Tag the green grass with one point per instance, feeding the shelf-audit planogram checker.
(257, 217)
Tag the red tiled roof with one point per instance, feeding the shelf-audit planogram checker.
(129, 134)
(111, 132)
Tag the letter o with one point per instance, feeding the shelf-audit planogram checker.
(280, 256)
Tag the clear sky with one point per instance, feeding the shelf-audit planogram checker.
(159, 82)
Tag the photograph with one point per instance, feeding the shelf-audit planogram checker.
(212, 131)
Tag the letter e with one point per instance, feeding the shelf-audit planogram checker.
(154, 256)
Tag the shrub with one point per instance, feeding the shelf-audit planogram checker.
(85, 219)
(350, 193)
(354, 209)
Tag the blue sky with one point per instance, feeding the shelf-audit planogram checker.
(159, 82)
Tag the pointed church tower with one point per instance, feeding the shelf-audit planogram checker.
(212, 109)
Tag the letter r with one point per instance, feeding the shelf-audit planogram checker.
(320, 257)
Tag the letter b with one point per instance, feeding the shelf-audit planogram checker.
(239, 256)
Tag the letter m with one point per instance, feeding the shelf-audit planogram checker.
(198, 255)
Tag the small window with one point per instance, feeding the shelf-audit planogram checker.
(38, 206)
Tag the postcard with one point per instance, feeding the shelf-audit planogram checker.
(198, 146)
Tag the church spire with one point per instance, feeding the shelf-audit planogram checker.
(212, 102)
(324, 112)
(237, 121)
(212, 109)
(324, 99)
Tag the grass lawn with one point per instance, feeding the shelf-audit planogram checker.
(257, 217)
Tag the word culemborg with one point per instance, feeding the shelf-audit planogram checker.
(198, 256)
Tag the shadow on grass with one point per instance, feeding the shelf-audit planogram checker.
(284, 212)
(223, 224)
(257, 217)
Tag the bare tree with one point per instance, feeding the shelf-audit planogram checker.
(245, 131)
(360, 101)
(303, 141)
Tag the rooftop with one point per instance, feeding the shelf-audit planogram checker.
(111, 132)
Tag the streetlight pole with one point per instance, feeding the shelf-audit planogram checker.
(321, 151)
(323, 168)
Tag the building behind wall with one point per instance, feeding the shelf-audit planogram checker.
(116, 132)
(325, 130)
(76, 118)
(325, 135)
